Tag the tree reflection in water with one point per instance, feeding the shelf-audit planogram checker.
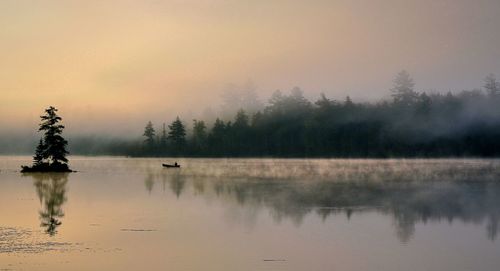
(408, 202)
(51, 190)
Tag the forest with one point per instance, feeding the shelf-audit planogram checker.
(411, 124)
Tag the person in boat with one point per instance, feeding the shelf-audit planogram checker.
(175, 164)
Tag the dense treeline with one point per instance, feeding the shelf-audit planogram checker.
(411, 124)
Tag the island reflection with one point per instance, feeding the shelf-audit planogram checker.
(407, 201)
(51, 191)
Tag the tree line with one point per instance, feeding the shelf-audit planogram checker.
(411, 124)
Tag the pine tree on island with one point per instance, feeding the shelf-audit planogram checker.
(50, 154)
(38, 157)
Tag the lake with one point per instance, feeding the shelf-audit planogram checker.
(251, 214)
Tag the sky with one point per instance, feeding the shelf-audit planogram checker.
(112, 65)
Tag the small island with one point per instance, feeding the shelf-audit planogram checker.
(50, 154)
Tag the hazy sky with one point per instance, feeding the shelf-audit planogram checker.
(120, 63)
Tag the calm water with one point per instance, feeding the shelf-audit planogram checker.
(251, 214)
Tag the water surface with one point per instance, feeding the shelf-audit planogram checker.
(252, 214)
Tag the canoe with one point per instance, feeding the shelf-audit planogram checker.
(167, 165)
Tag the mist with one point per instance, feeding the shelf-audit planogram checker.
(113, 66)
(409, 123)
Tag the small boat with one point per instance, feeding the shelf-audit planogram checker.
(169, 166)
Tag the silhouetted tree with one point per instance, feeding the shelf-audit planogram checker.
(219, 128)
(256, 119)
(199, 136)
(53, 146)
(54, 143)
(241, 120)
(241, 133)
(324, 104)
(149, 133)
(177, 135)
(276, 102)
(38, 158)
(297, 98)
(217, 137)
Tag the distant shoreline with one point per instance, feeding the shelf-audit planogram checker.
(80, 156)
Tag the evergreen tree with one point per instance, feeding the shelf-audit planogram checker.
(403, 92)
(241, 133)
(219, 128)
(217, 137)
(324, 104)
(39, 152)
(199, 134)
(177, 134)
(276, 103)
(491, 85)
(52, 148)
(241, 120)
(424, 105)
(256, 119)
(149, 133)
(297, 98)
(54, 143)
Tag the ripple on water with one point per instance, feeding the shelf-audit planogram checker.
(20, 240)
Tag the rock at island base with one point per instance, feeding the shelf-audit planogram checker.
(46, 167)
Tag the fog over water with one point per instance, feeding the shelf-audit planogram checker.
(250, 135)
(252, 214)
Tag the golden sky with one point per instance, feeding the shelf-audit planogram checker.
(118, 63)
